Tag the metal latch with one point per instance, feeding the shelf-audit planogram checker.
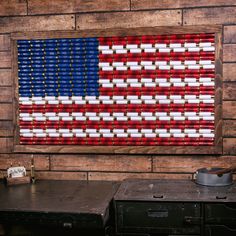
(67, 225)
(192, 220)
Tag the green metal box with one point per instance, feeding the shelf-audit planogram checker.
(158, 217)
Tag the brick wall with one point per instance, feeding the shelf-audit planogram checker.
(44, 15)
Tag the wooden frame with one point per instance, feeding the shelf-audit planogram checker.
(216, 149)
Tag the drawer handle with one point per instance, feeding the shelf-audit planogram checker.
(219, 197)
(67, 225)
(192, 220)
(158, 196)
(158, 214)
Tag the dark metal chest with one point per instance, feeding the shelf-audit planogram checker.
(167, 207)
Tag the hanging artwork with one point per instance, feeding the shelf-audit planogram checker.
(135, 90)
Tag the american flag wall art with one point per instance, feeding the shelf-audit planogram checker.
(145, 90)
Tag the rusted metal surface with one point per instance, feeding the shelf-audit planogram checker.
(83, 202)
(173, 190)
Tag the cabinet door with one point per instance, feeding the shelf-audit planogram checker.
(219, 230)
(157, 217)
(220, 213)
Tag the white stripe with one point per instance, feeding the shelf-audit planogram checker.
(121, 51)
(205, 62)
(107, 51)
(175, 45)
(136, 50)
(130, 98)
(117, 47)
(145, 45)
(150, 50)
(122, 132)
(205, 46)
(208, 49)
(160, 45)
(190, 45)
(131, 46)
(100, 47)
(179, 49)
(146, 63)
(133, 65)
(134, 83)
(164, 50)
(175, 62)
(191, 62)
(143, 115)
(208, 66)
(194, 49)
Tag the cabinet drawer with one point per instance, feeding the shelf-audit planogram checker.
(220, 213)
(141, 234)
(153, 217)
(219, 230)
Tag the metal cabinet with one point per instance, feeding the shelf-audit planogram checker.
(220, 219)
(52, 207)
(158, 218)
(174, 208)
(219, 230)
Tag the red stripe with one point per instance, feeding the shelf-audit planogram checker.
(184, 38)
(151, 74)
(118, 124)
(120, 141)
(152, 91)
(157, 56)
(128, 73)
(136, 57)
(156, 73)
(204, 107)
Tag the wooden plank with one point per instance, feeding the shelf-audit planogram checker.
(229, 72)
(100, 163)
(63, 6)
(230, 34)
(116, 149)
(229, 109)
(117, 32)
(218, 92)
(121, 176)
(5, 77)
(229, 128)
(61, 175)
(37, 23)
(41, 162)
(229, 147)
(6, 129)
(229, 54)
(4, 42)
(5, 58)
(189, 163)
(13, 7)
(6, 145)
(5, 94)
(15, 121)
(128, 19)
(229, 91)
(154, 4)
(213, 15)
(6, 111)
